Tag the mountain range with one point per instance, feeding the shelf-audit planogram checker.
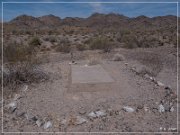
(96, 20)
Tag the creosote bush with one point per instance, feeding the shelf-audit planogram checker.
(63, 46)
(21, 65)
(101, 43)
(35, 41)
(130, 41)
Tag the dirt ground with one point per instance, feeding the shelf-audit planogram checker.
(55, 101)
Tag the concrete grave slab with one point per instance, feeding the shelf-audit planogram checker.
(90, 78)
(89, 74)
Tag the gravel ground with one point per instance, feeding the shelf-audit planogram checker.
(68, 110)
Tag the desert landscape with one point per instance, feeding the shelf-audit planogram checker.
(103, 73)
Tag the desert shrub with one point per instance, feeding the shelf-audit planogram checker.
(63, 46)
(81, 47)
(51, 39)
(130, 41)
(147, 42)
(35, 41)
(14, 52)
(23, 72)
(101, 43)
(21, 65)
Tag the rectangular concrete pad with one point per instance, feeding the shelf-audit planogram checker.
(89, 74)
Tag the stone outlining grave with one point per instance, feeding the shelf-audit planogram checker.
(90, 78)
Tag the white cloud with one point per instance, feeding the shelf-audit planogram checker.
(97, 7)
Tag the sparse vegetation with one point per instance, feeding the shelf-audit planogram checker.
(101, 43)
(21, 65)
(130, 41)
(81, 47)
(35, 41)
(51, 39)
(63, 46)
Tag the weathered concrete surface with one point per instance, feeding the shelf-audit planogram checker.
(89, 74)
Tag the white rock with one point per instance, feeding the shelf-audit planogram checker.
(92, 115)
(160, 83)
(80, 120)
(147, 76)
(100, 113)
(12, 106)
(47, 125)
(126, 64)
(128, 109)
(172, 109)
(146, 108)
(161, 108)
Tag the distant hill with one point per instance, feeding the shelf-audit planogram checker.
(96, 20)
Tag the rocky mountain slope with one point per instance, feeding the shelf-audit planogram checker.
(96, 20)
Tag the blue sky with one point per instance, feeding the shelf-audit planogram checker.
(11, 10)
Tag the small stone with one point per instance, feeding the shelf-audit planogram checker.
(12, 106)
(168, 87)
(140, 107)
(92, 115)
(82, 112)
(20, 113)
(100, 113)
(160, 84)
(80, 120)
(47, 125)
(146, 108)
(128, 109)
(117, 112)
(31, 117)
(39, 123)
(161, 108)
(172, 109)
(126, 64)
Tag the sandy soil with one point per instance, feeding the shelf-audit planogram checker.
(55, 101)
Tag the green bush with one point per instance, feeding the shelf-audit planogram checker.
(35, 41)
(101, 43)
(21, 65)
(14, 52)
(130, 41)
